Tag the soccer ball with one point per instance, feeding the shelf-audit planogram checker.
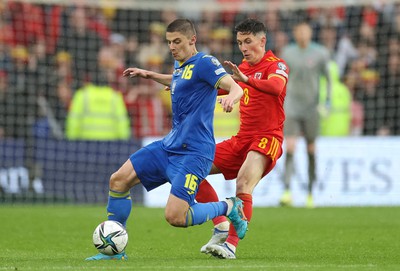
(110, 237)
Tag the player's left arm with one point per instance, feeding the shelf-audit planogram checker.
(214, 73)
(274, 84)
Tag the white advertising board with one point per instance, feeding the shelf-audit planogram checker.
(351, 171)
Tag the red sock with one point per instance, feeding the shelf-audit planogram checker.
(247, 204)
(206, 193)
(248, 212)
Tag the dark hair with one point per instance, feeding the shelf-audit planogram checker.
(183, 26)
(252, 26)
(302, 23)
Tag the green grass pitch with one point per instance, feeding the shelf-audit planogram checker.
(55, 237)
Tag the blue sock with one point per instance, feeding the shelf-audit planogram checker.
(119, 206)
(202, 212)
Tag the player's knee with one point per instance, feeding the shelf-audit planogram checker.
(174, 219)
(116, 182)
(311, 148)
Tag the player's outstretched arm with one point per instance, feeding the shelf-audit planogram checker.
(273, 85)
(164, 79)
(235, 93)
(237, 75)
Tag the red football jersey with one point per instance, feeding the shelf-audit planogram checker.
(260, 112)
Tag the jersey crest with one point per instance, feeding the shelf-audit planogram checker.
(258, 75)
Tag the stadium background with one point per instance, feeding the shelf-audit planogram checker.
(50, 49)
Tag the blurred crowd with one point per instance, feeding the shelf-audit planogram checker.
(50, 53)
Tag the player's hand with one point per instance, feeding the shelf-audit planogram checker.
(136, 72)
(226, 103)
(237, 74)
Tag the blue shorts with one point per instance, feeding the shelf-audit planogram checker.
(155, 166)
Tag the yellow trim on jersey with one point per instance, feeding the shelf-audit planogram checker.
(181, 63)
(219, 80)
(273, 150)
(277, 75)
(272, 58)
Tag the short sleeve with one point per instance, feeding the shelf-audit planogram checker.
(211, 70)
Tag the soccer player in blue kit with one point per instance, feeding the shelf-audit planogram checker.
(183, 157)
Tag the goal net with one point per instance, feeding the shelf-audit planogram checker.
(68, 119)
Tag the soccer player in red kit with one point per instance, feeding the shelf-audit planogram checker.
(253, 152)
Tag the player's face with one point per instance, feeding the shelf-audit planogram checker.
(251, 46)
(302, 34)
(181, 47)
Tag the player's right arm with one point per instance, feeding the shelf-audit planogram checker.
(164, 79)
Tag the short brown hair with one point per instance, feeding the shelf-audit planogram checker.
(183, 26)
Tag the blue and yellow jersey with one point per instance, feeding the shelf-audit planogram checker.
(193, 96)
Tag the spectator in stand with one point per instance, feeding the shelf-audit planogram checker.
(131, 51)
(345, 53)
(220, 43)
(277, 37)
(112, 62)
(27, 23)
(23, 94)
(82, 43)
(3, 103)
(338, 121)
(390, 85)
(327, 17)
(5, 57)
(168, 15)
(228, 15)
(22, 111)
(373, 102)
(60, 89)
(39, 64)
(62, 73)
(46, 124)
(155, 47)
(351, 79)
(146, 108)
(328, 38)
(362, 82)
(6, 40)
(97, 112)
(204, 29)
(280, 41)
(97, 22)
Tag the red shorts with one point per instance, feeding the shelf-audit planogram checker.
(230, 154)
